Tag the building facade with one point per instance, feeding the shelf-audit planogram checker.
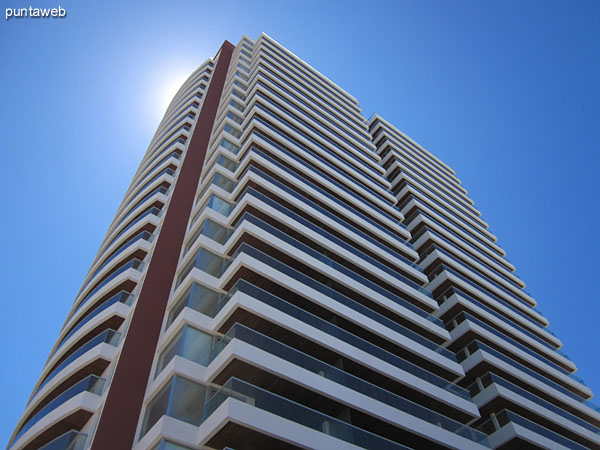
(284, 273)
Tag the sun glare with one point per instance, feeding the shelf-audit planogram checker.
(169, 89)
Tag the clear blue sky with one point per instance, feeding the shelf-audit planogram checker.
(506, 92)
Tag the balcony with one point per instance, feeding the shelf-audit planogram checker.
(71, 440)
(124, 297)
(91, 384)
(261, 399)
(329, 372)
(109, 336)
(497, 393)
(134, 263)
(209, 302)
(507, 427)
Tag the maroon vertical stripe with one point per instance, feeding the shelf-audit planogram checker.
(118, 422)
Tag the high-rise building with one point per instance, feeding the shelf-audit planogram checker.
(283, 273)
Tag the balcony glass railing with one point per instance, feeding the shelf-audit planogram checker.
(313, 168)
(180, 141)
(506, 417)
(232, 131)
(289, 89)
(71, 440)
(352, 162)
(145, 235)
(197, 297)
(322, 257)
(328, 291)
(491, 378)
(189, 343)
(91, 383)
(591, 405)
(339, 132)
(121, 297)
(176, 136)
(228, 185)
(108, 336)
(131, 264)
(167, 445)
(210, 229)
(479, 274)
(480, 260)
(425, 158)
(339, 333)
(219, 180)
(208, 302)
(180, 398)
(462, 316)
(416, 171)
(477, 345)
(436, 193)
(453, 290)
(338, 220)
(159, 190)
(236, 105)
(216, 203)
(294, 356)
(317, 229)
(443, 267)
(204, 260)
(223, 161)
(177, 122)
(419, 212)
(451, 215)
(318, 88)
(167, 171)
(367, 168)
(295, 412)
(154, 210)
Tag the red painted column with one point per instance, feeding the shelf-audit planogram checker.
(119, 418)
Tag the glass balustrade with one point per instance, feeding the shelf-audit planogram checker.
(294, 356)
(282, 407)
(476, 345)
(490, 378)
(167, 445)
(91, 383)
(145, 235)
(462, 316)
(454, 290)
(338, 296)
(189, 343)
(154, 210)
(124, 297)
(71, 440)
(324, 173)
(506, 417)
(131, 264)
(108, 336)
(197, 297)
(334, 217)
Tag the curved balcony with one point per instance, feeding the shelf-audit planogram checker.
(108, 336)
(196, 346)
(124, 297)
(142, 235)
(153, 210)
(210, 303)
(71, 440)
(134, 263)
(507, 426)
(264, 400)
(92, 383)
